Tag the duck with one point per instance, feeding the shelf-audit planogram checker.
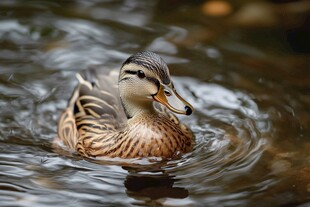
(126, 113)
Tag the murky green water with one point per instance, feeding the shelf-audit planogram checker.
(248, 80)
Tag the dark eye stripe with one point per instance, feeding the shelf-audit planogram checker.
(133, 72)
(140, 73)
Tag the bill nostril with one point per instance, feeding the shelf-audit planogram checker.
(188, 110)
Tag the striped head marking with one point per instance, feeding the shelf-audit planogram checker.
(152, 62)
(145, 77)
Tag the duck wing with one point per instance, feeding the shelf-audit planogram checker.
(97, 99)
(94, 107)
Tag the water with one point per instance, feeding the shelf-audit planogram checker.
(249, 84)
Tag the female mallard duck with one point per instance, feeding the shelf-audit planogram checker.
(110, 118)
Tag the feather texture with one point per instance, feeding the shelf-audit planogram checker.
(95, 123)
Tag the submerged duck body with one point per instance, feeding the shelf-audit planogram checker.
(124, 114)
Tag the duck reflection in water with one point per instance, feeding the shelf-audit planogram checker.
(152, 186)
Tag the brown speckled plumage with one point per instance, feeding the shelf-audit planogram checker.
(95, 123)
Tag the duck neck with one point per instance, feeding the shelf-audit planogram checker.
(136, 108)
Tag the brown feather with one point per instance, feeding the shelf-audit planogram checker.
(95, 124)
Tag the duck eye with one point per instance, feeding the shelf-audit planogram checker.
(141, 74)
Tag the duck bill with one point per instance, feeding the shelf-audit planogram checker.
(168, 96)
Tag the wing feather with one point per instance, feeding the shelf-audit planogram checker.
(95, 104)
(99, 97)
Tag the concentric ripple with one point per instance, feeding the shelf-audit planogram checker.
(250, 120)
(229, 130)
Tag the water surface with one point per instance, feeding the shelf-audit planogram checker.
(248, 81)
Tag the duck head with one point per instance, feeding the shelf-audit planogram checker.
(144, 78)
